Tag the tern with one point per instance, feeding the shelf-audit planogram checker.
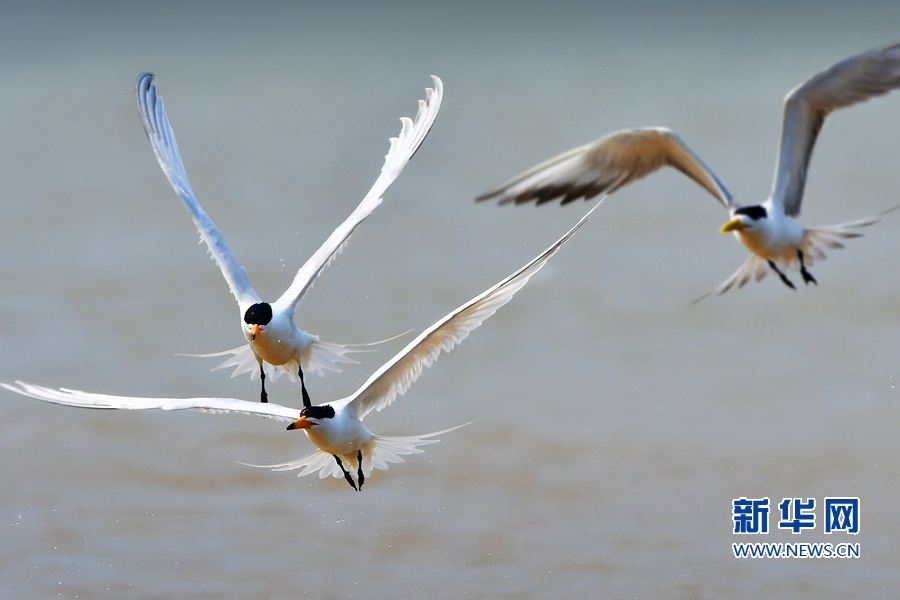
(766, 229)
(336, 428)
(273, 337)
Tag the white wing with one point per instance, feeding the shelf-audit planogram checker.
(412, 134)
(606, 165)
(846, 83)
(162, 138)
(395, 376)
(212, 405)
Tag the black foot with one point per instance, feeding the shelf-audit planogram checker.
(346, 473)
(359, 470)
(783, 277)
(807, 276)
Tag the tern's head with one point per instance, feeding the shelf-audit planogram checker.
(312, 416)
(744, 218)
(260, 314)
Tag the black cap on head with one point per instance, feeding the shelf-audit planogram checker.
(258, 314)
(755, 212)
(322, 411)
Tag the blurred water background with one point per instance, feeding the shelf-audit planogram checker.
(613, 422)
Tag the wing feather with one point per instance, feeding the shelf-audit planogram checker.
(398, 374)
(105, 401)
(606, 165)
(403, 148)
(846, 83)
(162, 139)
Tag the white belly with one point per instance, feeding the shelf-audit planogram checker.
(280, 342)
(343, 437)
(778, 241)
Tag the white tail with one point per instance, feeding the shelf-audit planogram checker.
(754, 267)
(317, 358)
(378, 453)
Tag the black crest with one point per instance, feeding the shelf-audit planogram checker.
(322, 411)
(755, 212)
(258, 314)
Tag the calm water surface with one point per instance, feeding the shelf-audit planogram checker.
(613, 422)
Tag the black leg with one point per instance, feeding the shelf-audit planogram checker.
(359, 471)
(346, 473)
(784, 278)
(263, 397)
(306, 401)
(807, 276)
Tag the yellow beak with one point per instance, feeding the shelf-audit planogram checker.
(733, 224)
(300, 423)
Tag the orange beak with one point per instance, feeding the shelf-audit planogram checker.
(301, 423)
(734, 224)
(254, 331)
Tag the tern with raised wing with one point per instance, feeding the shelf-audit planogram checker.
(766, 229)
(276, 344)
(336, 428)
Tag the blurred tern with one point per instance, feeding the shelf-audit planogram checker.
(336, 428)
(765, 229)
(269, 327)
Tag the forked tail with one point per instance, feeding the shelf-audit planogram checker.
(755, 267)
(317, 358)
(378, 453)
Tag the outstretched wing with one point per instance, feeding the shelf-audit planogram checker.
(606, 165)
(212, 405)
(846, 83)
(395, 376)
(412, 134)
(162, 138)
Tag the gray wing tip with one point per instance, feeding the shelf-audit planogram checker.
(488, 195)
(887, 49)
(143, 85)
(144, 79)
(145, 93)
